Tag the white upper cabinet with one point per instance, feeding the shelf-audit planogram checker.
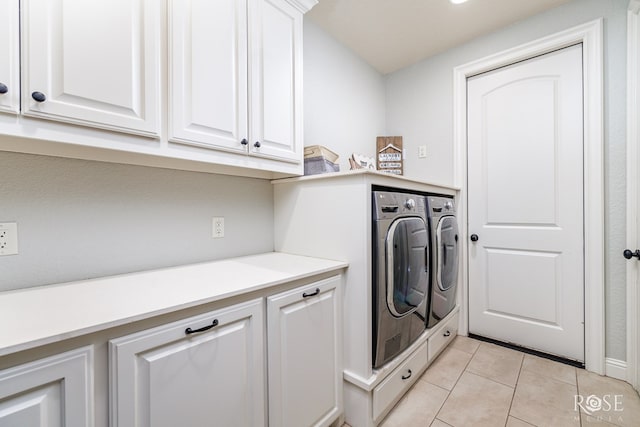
(94, 63)
(276, 80)
(208, 73)
(236, 76)
(204, 85)
(10, 54)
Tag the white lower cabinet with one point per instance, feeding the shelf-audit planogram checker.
(212, 369)
(305, 355)
(395, 385)
(204, 370)
(51, 392)
(443, 335)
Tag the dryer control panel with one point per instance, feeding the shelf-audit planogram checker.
(442, 205)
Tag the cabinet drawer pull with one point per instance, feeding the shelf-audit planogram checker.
(446, 334)
(306, 295)
(406, 377)
(38, 96)
(3, 88)
(189, 331)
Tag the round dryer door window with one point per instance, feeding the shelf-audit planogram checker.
(407, 268)
(447, 244)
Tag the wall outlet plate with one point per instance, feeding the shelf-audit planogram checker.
(422, 151)
(8, 238)
(218, 227)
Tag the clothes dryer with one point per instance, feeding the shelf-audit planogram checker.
(444, 257)
(400, 244)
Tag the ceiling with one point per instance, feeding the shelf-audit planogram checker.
(392, 34)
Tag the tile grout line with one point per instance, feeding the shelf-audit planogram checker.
(456, 382)
(578, 394)
(513, 396)
(520, 419)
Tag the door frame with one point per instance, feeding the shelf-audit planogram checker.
(590, 35)
(633, 204)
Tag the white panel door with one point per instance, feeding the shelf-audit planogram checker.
(52, 392)
(213, 375)
(10, 54)
(276, 76)
(94, 63)
(208, 73)
(525, 193)
(305, 355)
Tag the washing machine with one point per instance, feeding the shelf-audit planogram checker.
(400, 262)
(443, 225)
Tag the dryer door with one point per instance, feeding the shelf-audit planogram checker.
(407, 267)
(447, 244)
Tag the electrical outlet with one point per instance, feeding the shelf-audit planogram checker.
(422, 151)
(8, 238)
(218, 227)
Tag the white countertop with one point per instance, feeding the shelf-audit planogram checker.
(47, 314)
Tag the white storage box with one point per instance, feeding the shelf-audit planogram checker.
(319, 159)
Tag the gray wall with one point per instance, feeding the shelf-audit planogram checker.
(80, 219)
(344, 97)
(420, 107)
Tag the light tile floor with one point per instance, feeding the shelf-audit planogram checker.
(473, 383)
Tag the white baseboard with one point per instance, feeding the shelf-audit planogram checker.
(615, 368)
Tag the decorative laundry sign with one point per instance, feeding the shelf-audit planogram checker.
(389, 154)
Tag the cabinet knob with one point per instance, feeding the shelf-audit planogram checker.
(257, 144)
(244, 142)
(474, 237)
(3, 88)
(38, 96)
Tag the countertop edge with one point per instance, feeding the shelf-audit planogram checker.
(358, 172)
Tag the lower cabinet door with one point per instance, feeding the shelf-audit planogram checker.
(305, 355)
(201, 371)
(52, 392)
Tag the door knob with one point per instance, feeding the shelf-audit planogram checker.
(628, 254)
(3, 88)
(38, 96)
(474, 237)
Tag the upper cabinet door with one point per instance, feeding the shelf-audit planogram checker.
(208, 73)
(276, 80)
(93, 63)
(10, 54)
